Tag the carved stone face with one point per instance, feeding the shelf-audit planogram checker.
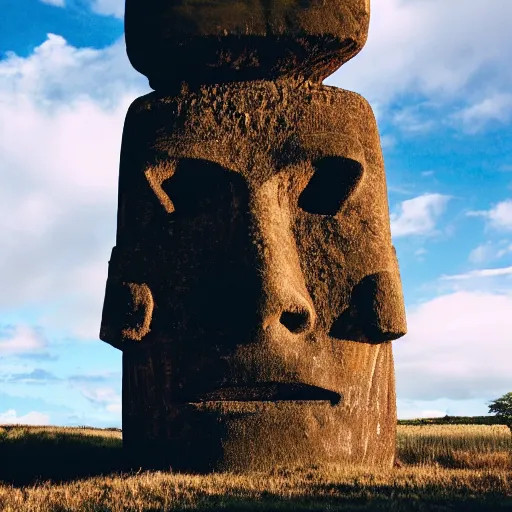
(260, 283)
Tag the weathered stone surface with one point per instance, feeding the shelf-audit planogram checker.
(254, 288)
(260, 435)
(214, 41)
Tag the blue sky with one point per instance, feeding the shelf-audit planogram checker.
(436, 73)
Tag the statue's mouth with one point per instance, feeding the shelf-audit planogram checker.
(268, 392)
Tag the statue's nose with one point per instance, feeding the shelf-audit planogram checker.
(285, 301)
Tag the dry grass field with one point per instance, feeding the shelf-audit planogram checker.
(444, 468)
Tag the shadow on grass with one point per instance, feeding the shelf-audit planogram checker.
(35, 455)
(418, 503)
(31, 456)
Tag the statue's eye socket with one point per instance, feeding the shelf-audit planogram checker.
(200, 186)
(333, 182)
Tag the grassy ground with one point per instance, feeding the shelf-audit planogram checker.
(444, 468)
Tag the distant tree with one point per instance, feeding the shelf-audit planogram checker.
(502, 407)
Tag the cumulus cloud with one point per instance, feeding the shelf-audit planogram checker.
(418, 216)
(474, 118)
(106, 397)
(482, 253)
(21, 339)
(489, 251)
(57, 74)
(458, 346)
(411, 120)
(505, 250)
(499, 217)
(431, 48)
(109, 7)
(11, 417)
(400, 45)
(59, 199)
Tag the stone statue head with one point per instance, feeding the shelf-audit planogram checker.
(254, 284)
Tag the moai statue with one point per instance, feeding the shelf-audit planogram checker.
(253, 289)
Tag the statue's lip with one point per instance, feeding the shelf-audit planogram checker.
(267, 392)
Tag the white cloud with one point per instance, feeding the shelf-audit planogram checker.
(490, 251)
(106, 397)
(458, 346)
(59, 199)
(418, 216)
(412, 414)
(21, 340)
(57, 74)
(37, 376)
(410, 120)
(477, 213)
(109, 7)
(504, 251)
(10, 417)
(431, 48)
(499, 217)
(387, 141)
(489, 272)
(56, 3)
(483, 252)
(400, 189)
(115, 408)
(438, 407)
(474, 118)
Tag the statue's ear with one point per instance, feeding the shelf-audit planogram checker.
(141, 312)
(376, 311)
(379, 303)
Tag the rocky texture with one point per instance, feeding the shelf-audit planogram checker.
(251, 434)
(216, 41)
(253, 288)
